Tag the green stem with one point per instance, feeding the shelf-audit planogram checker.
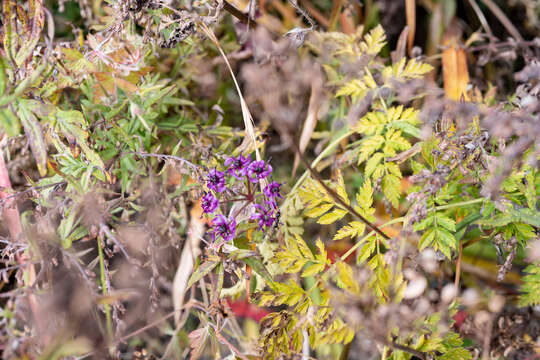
(371, 233)
(401, 219)
(463, 203)
(104, 289)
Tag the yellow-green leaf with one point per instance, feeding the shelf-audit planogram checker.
(332, 216)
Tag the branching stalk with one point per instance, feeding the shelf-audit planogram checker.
(336, 197)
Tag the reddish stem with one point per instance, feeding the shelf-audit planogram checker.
(10, 216)
(10, 212)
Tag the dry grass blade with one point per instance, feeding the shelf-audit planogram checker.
(410, 10)
(311, 121)
(187, 259)
(399, 53)
(334, 15)
(248, 119)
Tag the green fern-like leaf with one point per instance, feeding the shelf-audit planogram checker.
(353, 229)
(321, 205)
(374, 41)
(391, 187)
(530, 290)
(403, 70)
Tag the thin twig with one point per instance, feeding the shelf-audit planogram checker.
(394, 345)
(166, 157)
(103, 227)
(481, 17)
(458, 267)
(151, 325)
(30, 189)
(303, 12)
(244, 19)
(317, 15)
(503, 19)
(336, 197)
(497, 46)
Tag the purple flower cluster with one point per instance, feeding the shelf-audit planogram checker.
(243, 170)
(216, 181)
(209, 203)
(237, 166)
(258, 170)
(224, 228)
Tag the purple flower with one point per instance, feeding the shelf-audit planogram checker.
(216, 180)
(224, 228)
(258, 170)
(264, 216)
(272, 190)
(209, 203)
(238, 165)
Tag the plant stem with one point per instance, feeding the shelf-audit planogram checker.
(9, 214)
(394, 345)
(371, 233)
(104, 288)
(458, 268)
(244, 19)
(335, 195)
(334, 15)
(462, 203)
(499, 14)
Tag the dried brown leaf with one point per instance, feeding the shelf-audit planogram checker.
(454, 65)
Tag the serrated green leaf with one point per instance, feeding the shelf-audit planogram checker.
(322, 255)
(353, 229)
(373, 162)
(407, 128)
(527, 231)
(530, 289)
(318, 210)
(526, 216)
(345, 278)
(456, 354)
(368, 147)
(374, 41)
(367, 250)
(425, 223)
(427, 239)
(365, 196)
(340, 189)
(332, 216)
(391, 187)
(313, 269)
(445, 222)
